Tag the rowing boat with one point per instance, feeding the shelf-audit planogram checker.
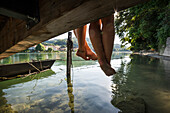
(9, 70)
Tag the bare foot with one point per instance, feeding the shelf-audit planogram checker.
(107, 69)
(82, 54)
(91, 54)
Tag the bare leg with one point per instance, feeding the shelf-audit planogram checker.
(96, 39)
(81, 35)
(90, 53)
(108, 36)
(84, 50)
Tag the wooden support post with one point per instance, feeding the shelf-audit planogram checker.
(69, 63)
(69, 55)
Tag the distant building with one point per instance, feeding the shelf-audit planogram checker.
(55, 48)
(62, 48)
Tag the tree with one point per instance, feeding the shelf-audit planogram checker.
(50, 49)
(40, 47)
(26, 50)
(145, 26)
(60, 42)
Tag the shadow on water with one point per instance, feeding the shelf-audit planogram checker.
(143, 84)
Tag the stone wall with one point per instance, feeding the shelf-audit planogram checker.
(166, 51)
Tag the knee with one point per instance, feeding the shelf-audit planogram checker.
(94, 29)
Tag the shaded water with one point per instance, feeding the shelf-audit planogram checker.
(88, 90)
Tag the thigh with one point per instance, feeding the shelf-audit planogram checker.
(108, 19)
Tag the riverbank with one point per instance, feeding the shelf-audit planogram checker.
(152, 54)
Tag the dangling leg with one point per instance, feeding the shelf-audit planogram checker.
(108, 36)
(96, 39)
(80, 33)
(84, 50)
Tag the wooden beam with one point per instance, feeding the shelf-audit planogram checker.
(56, 17)
(124, 4)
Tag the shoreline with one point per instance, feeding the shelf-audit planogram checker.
(153, 54)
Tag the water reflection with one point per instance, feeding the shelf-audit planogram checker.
(26, 57)
(137, 76)
(119, 88)
(5, 107)
(143, 77)
(54, 93)
(166, 66)
(70, 93)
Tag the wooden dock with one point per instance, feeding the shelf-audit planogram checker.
(27, 23)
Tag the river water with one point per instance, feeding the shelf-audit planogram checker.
(88, 90)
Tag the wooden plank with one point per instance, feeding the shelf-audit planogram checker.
(69, 54)
(56, 17)
(124, 4)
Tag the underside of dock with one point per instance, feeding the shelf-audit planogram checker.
(25, 23)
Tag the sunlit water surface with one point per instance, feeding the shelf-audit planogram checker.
(89, 90)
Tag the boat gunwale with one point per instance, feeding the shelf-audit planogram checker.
(36, 61)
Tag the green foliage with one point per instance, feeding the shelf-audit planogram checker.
(63, 46)
(40, 47)
(50, 49)
(48, 43)
(144, 26)
(60, 42)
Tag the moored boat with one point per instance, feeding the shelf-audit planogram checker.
(9, 70)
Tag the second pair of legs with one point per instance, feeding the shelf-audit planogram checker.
(102, 39)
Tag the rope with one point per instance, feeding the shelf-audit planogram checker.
(34, 66)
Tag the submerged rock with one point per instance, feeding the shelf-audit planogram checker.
(134, 105)
(6, 109)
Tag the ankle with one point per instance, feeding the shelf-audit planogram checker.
(102, 62)
(81, 50)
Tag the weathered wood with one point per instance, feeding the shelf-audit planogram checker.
(9, 70)
(56, 17)
(69, 54)
(124, 4)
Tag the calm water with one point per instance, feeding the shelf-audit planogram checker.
(88, 90)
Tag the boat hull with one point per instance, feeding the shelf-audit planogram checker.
(9, 70)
